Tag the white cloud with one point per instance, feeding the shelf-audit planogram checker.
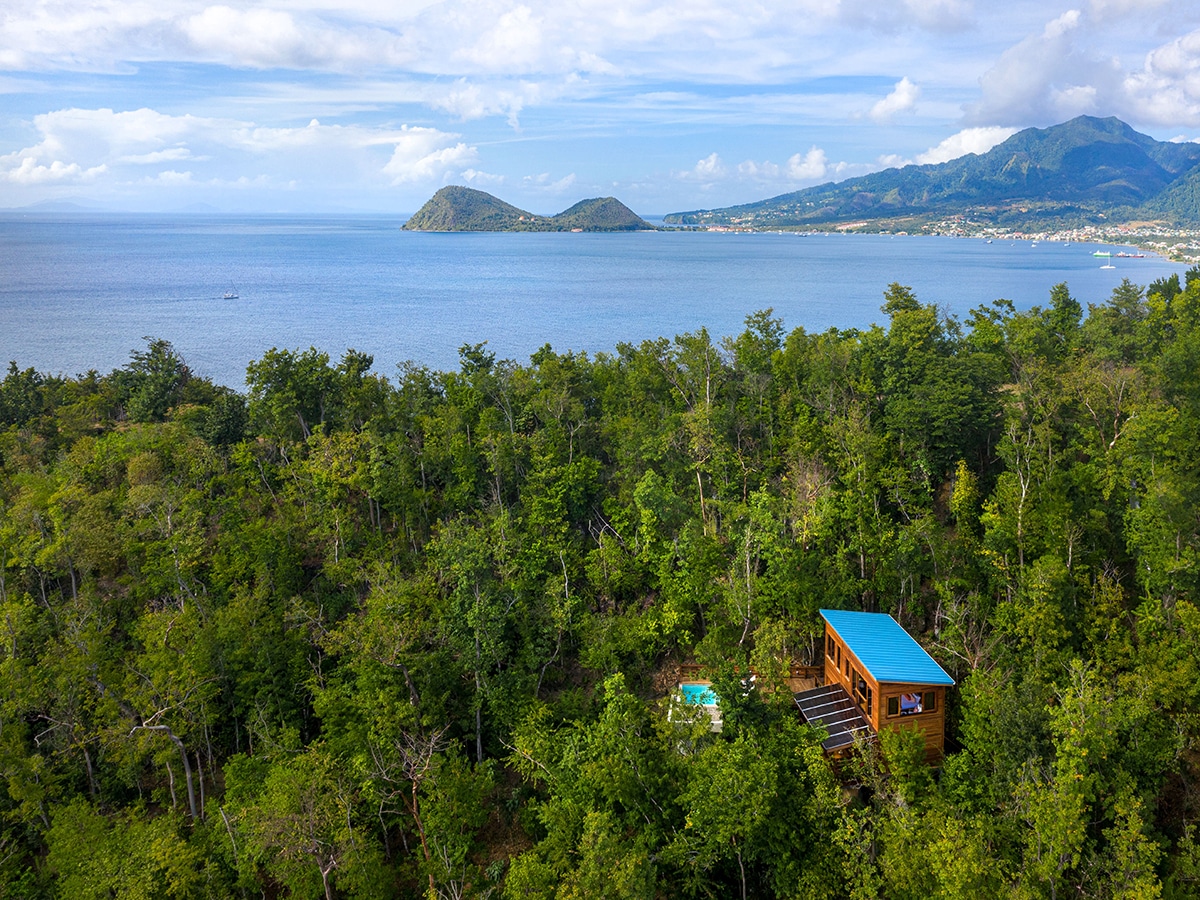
(515, 41)
(1102, 8)
(256, 37)
(710, 167)
(546, 182)
(171, 178)
(969, 140)
(516, 38)
(897, 15)
(86, 145)
(468, 100)
(103, 131)
(903, 98)
(1167, 89)
(158, 156)
(426, 154)
(1040, 79)
(941, 15)
(1065, 23)
(274, 38)
(474, 176)
(812, 166)
(28, 171)
(1058, 73)
(267, 140)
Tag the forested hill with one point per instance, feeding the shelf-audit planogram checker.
(365, 637)
(1084, 170)
(455, 208)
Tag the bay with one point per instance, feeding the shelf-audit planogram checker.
(79, 291)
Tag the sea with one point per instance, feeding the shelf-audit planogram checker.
(81, 291)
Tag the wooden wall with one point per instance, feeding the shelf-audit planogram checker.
(842, 669)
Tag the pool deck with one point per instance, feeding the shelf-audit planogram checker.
(711, 709)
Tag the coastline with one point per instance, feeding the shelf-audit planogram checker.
(1178, 245)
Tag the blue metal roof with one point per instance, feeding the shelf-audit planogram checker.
(888, 651)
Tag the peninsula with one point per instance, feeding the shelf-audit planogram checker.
(456, 208)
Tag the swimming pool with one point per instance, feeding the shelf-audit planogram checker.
(699, 694)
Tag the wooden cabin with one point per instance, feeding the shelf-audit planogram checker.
(876, 677)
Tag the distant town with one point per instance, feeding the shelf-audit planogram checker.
(1176, 244)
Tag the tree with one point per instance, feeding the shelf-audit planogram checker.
(297, 816)
(127, 857)
(153, 382)
(727, 806)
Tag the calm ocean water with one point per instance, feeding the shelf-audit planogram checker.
(78, 292)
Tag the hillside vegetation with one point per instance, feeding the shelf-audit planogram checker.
(359, 636)
(1085, 170)
(457, 208)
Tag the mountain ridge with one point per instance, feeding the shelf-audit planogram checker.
(1087, 169)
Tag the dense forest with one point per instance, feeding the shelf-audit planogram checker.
(354, 635)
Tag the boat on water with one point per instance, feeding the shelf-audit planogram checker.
(1102, 253)
(1124, 255)
(231, 294)
(1108, 266)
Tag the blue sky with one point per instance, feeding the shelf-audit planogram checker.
(371, 105)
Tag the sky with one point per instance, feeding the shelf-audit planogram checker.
(369, 106)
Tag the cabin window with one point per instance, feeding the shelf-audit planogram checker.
(829, 647)
(910, 704)
(861, 690)
(929, 701)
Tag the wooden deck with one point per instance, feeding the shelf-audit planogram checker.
(799, 678)
(832, 708)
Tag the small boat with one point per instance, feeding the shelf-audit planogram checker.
(1108, 266)
(1102, 253)
(230, 294)
(1124, 255)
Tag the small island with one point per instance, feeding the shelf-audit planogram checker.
(456, 208)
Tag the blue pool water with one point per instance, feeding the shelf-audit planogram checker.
(699, 694)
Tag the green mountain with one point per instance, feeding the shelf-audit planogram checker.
(457, 208)
(1087, 169)
(601, 214)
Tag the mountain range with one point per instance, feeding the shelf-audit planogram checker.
(456, 208)
(1087, 170)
